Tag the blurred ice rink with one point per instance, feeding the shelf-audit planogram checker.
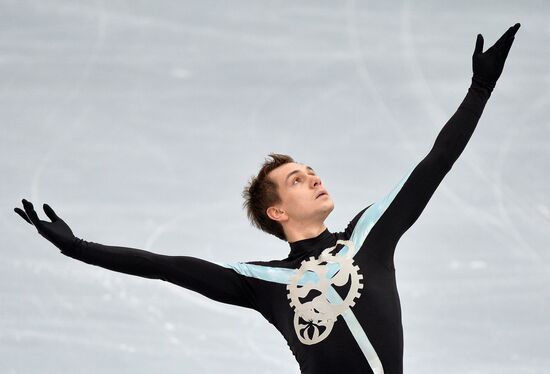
(140, 122)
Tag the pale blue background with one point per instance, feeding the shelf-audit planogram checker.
(140, 122)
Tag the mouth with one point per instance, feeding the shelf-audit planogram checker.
(323, 193)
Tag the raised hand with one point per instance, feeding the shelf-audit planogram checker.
(488, 65)
(56, 231)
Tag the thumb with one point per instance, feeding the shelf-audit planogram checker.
(479, 44)
(50, 213)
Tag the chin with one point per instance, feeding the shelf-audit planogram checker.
(329, 208)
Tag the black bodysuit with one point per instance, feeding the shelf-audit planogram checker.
(334, 298)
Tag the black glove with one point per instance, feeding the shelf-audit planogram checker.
(57, 231)
(488, 65)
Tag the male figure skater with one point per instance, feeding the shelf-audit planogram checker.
(334, 298)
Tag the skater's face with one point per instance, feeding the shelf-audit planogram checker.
(304, 199)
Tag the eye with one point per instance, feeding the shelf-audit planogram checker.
(296, 179)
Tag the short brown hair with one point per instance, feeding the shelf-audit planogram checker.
(261, 192)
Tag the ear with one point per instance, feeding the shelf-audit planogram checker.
(276, 214)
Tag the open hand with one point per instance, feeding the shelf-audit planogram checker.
(56, 231)
(488, 65)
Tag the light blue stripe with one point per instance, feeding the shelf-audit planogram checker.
(360, 231)
(358, 333)
(373, 213)
(363, 342)
(282, 275)
(267, 273)
(279, 275)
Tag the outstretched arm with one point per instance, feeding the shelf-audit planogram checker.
(418, 188)
(211, 280)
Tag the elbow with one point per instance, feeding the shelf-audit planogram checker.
(441, 158)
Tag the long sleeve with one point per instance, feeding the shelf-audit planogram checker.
(418, 188)
(211, 280)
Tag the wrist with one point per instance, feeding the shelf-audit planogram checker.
(480, 83)
(70, 245)
(478, 94)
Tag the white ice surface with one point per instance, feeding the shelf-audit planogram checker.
(140, 123)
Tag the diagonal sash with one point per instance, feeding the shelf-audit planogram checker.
(368, 219)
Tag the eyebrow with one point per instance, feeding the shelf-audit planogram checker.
(297, 171)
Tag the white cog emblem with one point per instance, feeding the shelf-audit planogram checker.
(313, 287)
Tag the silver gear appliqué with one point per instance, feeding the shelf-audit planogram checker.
(309, 288)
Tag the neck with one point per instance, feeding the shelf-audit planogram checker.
(294, 234)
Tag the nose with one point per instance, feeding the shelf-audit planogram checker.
(316, 181)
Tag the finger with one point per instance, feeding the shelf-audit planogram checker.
(22, 214)
(507, 47)
(515, 28)
(507, 44)
(512, 32)
(504, 52)
(50, 213)
(479, 44)
(504, 37)
(29, 209)
(511, 36)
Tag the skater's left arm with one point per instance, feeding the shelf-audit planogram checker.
(413, 195)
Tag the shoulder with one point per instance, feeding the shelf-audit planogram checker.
(348, 231)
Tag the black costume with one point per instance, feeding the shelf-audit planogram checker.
(334, 298)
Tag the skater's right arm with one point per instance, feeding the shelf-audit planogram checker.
(213, 281)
